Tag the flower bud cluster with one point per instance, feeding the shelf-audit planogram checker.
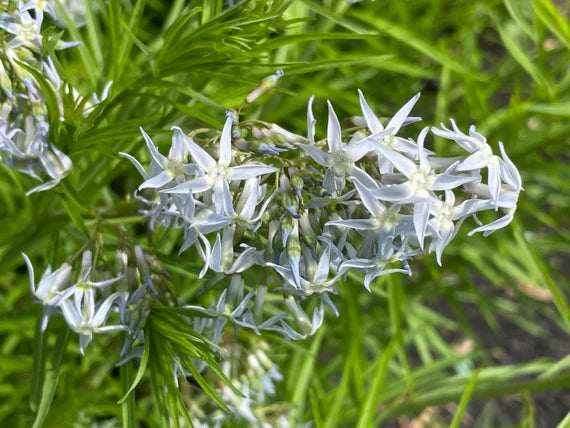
(24, 68)
(255, 375)
(294, 215)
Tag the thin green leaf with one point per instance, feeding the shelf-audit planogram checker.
(373, 396)
(128, 407)
(306, 371)
(51, 377)
(551, 109)
(547, 12)
(564, 423)
(90, 66)
(406, 37)
(40, 343)
(523, 59)
(465, 397)
(140, 371)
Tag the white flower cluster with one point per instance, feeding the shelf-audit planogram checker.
(256, 199)
(284, 214)
(24, 122)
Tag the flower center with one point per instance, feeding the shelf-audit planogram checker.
(28, 31)
(341, 162)
(386, 219)
(175, 167)
(420, 181)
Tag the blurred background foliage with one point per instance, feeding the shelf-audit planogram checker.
(482, 341)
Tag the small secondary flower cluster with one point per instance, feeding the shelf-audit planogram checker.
(88, 297)
(24, 68)
(255, 375)
(256, 199)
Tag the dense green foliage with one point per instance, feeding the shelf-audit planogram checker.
(392, 352)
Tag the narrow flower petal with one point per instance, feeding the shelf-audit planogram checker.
(398, 120)
(70, 314)
(494, 182)
(158, 158)
(394, 193)
(177, 149)
(311, 122)
(104, 309)
(197, 185)
(323, 267)
(316, 154)
(226, 140)
(248, 208)
(421, 216)
(200, 156)
(334, 136)
(364, 178)
(510, 172)
(474, 161)
(372, 121)
(136, 163)
(447, 181)
(422, 157)
(402, 163)
(495, 225)
(157, 181)
(375, 207)
(30, 273)
(243, 172)
(358, 224)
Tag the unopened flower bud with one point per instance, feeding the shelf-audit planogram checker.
(258, 304)
(301, 318)
(266, 84)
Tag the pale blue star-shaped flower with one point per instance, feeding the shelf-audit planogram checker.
(218, 174)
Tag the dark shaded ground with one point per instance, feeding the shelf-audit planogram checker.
(510, 344)
(513, 345)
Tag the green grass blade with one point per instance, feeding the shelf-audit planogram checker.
(128, 407)
(406, 37)
(557, 295)
(549, 15)
(307, 370)
(373, 396)
(550, 109)
(465, 397)
(335, 409)
(564, 423)
(51, 377)
(140, 372)
(40, 343)
(90, 66)
(523, 59)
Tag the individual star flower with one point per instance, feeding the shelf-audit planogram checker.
(56, 164)
(386, 220)
(391, 139)
(85, 318)
(444, 214)
(316, 280)
(341, 158)
(173, 167)
(376, 266)
(420, 184)
(85, 284)
(25, 29)
(47, 291)
(218, 174)
(482, 157)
